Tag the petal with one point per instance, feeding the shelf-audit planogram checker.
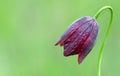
(75, 44)
(89, 43)
(70, 31)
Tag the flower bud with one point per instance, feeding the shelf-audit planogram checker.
(79, 38)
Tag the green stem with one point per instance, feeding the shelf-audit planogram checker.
(106, 35)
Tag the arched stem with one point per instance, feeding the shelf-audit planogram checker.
(106, 35)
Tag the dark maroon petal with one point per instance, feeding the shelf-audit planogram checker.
(77, 42)
(70, 31)
(89, 43)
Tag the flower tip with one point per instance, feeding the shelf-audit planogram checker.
(59, 43)
(80, 58)
(56, 44)
(66, 54)
(79, 62)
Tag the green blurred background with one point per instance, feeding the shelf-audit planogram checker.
(30, 28)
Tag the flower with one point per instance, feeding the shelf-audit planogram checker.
(80, 37)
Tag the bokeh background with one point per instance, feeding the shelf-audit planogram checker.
(30, 28)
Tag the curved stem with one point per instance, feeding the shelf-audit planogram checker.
(106, 35)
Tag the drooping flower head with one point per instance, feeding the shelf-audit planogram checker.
(79, 38)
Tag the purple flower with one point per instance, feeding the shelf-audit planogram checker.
(79, 38)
